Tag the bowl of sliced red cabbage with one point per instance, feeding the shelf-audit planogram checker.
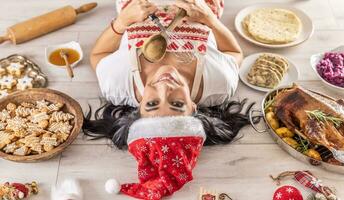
(329, 67)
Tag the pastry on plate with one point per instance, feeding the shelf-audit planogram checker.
(268, 71)
(272, 25)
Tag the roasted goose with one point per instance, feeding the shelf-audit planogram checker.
(294, 107)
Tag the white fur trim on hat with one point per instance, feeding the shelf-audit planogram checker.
(176, 126)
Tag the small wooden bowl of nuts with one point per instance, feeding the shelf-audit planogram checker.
(37, 124)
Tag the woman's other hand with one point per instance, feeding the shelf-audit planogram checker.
(197, 11)
(135, 11)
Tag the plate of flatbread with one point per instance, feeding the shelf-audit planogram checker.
(267, 71)
(274, 25)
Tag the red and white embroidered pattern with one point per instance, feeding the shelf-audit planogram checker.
(164, 165)
(188, 36)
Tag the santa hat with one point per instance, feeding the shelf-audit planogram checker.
(166, 150)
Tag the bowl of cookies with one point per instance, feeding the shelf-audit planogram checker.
(37, 124)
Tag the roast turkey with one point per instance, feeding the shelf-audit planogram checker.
(292, 107)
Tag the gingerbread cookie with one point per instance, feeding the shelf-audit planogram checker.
(30, 140)
(54, 107)
(48, 142)
(11, 107)
(16, 124)
(22, 111)
(62, 127)
(20, 133)
(15, 69)
(51, 141)
(4, 115)
(7, 82)
(22, 151)
(5, 138)
(42, 104)
(37, 147)
(10, 148)
(2, 126)
(39, 116)
(33, 142)
(27, 105)
(61, 137)
(60, 116)
(24, 83)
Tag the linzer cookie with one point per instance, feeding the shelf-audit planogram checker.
(15, 69)
(24, 83)
(33, 128)
(7, 82)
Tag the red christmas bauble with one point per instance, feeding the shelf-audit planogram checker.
(287, 193)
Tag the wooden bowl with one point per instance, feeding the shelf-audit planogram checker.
(53, 96)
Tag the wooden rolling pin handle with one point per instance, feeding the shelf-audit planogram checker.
(85, 8)
(4, 38)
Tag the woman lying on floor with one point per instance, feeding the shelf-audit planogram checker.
(145, 99)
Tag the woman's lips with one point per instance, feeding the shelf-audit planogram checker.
(167, 77)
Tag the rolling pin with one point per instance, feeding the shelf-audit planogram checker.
(46, 23)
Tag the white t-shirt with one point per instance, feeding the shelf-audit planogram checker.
(220, 76)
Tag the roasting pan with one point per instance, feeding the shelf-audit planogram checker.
(293, 152)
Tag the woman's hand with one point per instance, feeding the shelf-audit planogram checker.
(197, 11)
(135, 11)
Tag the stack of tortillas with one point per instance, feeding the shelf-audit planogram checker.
(268, 70)
(272, 25)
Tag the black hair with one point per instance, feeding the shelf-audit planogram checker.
(221, 123)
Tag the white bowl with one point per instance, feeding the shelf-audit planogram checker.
(71, 45)
(315, 59)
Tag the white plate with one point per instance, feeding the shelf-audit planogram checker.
(290, 77)
(306, 32)
(315, 59)
(72, 45)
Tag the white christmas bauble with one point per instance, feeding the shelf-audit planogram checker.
(112, 186)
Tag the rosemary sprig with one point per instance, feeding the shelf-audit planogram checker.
(269, 102)
(304, 144)
(271, 99)
(322, 117)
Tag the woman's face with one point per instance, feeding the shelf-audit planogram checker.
(166, 94)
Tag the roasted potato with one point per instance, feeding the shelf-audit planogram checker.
(272, 120)
(284, 132)
(293, 143)
(269, 109)
(313, 154)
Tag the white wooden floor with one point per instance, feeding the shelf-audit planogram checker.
(240, 169)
